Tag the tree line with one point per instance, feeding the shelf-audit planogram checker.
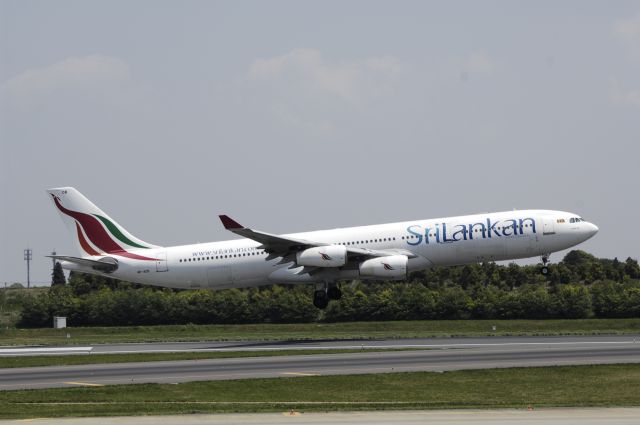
(580, 286)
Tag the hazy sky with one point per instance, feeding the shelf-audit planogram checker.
(294, 116)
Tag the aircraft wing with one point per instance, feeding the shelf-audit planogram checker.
(282, 245)
(269, 242)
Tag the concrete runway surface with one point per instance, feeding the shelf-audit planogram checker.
(441, 355)
(582, 416)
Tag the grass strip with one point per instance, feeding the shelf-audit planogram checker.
(560, 386)
(310, 331)
(80, 359)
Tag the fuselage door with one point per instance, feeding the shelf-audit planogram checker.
(549, 226)
(161, 262)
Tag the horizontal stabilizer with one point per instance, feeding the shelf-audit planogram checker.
(106, 265)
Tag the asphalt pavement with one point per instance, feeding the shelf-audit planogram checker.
(417, 343)
(431, 355)
(582, 416)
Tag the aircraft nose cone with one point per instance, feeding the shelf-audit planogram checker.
(592, 229)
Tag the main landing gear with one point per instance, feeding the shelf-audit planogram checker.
(321, 297)
(544, 270)
(334, 293)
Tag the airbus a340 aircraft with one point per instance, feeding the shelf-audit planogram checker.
(323, 258)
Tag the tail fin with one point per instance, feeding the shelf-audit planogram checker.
(94, 231)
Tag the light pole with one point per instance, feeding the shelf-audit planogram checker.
(28, 254)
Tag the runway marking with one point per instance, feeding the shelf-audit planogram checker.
(43, 350)
(300, 374)
(84, 384)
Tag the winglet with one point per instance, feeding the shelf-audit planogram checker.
(229, 223)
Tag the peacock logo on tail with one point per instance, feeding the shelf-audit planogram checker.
(98, 235)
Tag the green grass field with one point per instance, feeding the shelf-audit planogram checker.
(308, 331)
(603, 385)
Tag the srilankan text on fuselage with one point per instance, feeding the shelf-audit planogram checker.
(485, 229)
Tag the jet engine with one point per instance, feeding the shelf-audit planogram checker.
(391, 267)
(323, 256)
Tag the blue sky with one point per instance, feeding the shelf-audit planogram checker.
(293, 116)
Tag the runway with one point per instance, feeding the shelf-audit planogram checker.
(436, 355)
(417, 343)
(583, 416)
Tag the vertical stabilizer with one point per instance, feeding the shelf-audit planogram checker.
(94, 232)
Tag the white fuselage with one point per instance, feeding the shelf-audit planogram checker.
(435, 242)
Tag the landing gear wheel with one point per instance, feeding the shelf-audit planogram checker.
(334, 293)
(320, 299)
(544, 270)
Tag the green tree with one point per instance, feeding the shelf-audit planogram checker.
(454, 303)
(487, 291)
(536, 302)
(578, 258)
(488, 302)
(573, 302)
(608, 299)
(632, 301)
(470, 275)
(57, 276)
(631, 268)
(354, 305)
(35, 313)
(415, 302)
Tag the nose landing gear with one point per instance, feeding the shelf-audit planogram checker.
(544, 270)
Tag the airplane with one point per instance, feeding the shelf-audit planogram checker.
(322, 258)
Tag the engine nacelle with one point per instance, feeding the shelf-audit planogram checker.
(323, 256)
(391, 267)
